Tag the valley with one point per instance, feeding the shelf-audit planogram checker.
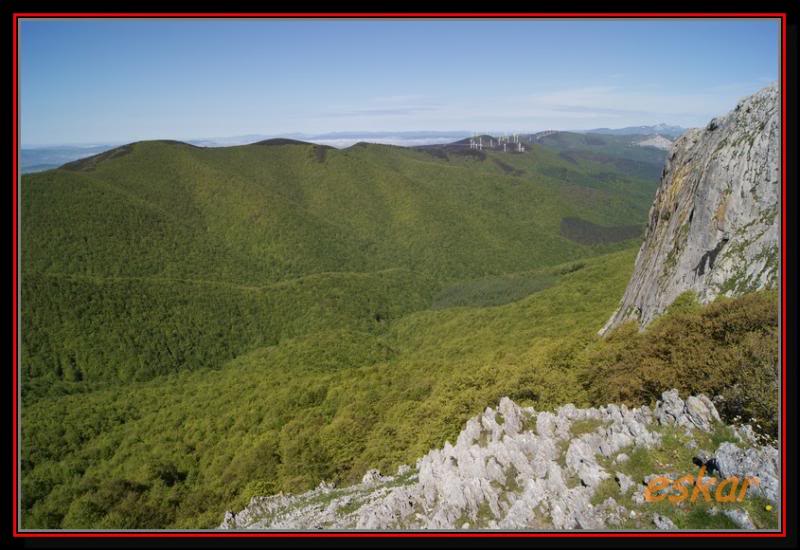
(204, 325)
(430, 275)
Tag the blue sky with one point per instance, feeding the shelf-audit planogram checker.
(97, 81)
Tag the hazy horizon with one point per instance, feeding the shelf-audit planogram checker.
(373, 136)
(104, 81)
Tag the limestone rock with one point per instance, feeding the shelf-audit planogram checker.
(515, 468)
(714, 224)
(760, 462)
(695, 411)
(625, 482)
(372, 477)
(740, 517)
(663, 522)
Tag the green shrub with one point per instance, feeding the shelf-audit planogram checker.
(727, 349)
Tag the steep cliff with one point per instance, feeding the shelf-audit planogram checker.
(715, 222)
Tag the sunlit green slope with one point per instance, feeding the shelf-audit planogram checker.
(161, 256)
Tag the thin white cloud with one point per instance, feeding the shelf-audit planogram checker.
(393, 106)
(563, 108)
(369, 112)
(400, 99)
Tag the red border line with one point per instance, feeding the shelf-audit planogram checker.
(14, 278)
(783, 273)
(415, 534)
(401, 15)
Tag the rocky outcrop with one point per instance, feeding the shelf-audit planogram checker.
(760, 462)
(657, 141)
(516, 468)
(714, 224)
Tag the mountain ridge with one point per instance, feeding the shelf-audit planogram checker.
(379, 296)
(255, 215)
(44, 157)
(667, 130)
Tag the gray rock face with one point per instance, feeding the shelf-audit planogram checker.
(515, 468)
(663, 522)
(762, 463)
(738, 516)
(657, 141)
(741, 518)
(372, 477)
(696, 411)
(625, 482)
(714, 224)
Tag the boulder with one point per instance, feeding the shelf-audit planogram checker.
(762, 463)
(663, 522)
(501, 474)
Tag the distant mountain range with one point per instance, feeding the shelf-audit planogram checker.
(658, 129)
(299, 314)
(39, 158)
(342, 139)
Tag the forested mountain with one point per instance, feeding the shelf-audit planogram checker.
(201, 325)
(159, 256)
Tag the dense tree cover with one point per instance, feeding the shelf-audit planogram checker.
(203, 325)
(255, 214)
(81, 332)
(728, 349)
(620, 152)
(329, 404)
(586, 232)
(178, 450)
(160, 256)
(496, 290)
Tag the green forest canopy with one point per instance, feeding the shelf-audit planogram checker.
(202, 325)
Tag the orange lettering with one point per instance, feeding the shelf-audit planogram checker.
(720, 495)
(680, 486)
(656, 484)
(747, 481)
(701, 487)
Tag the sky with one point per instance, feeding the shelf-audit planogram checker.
(112, 81)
